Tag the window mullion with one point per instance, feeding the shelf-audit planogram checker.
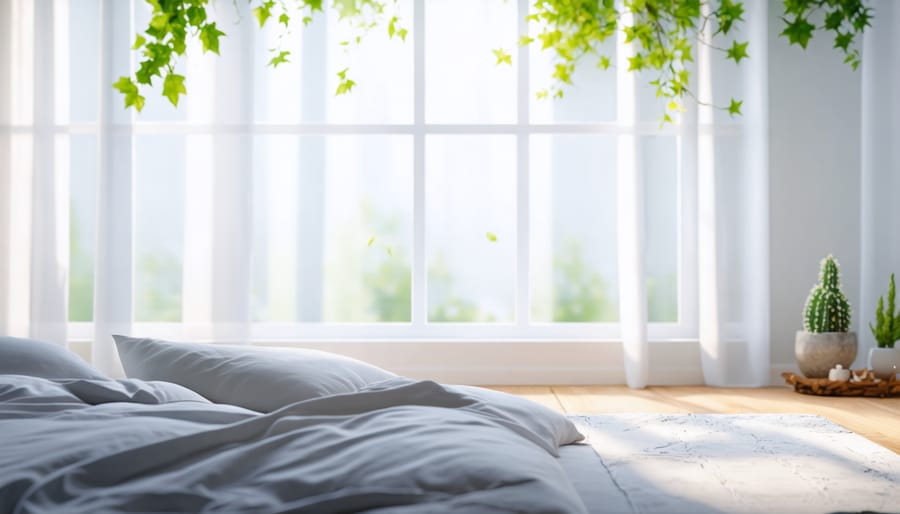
(419, 286)
(523, 205)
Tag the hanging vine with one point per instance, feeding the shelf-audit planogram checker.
(664, 34)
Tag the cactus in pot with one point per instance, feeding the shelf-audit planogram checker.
(885, 359)
(825, 340)
(827, 309)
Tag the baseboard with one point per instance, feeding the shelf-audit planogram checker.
(674, 363)
(509, 362)
(775, 371)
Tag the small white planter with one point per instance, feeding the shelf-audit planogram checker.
(884, 362)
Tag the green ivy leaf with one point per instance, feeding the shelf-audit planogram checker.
(492, 237)
(346, 8)
(128, 88)
(173, 87)
(863, 18)
(799, 31)
(603, 63)
(284, 19)
(392, 26)
(843, 41)
(146, 71)
(563, 72)
(525, 40)
(834, 19)
(196, 15)
(345, 85)
(209, 37)
(502, 57)
(636, 62)
(280, 58)
(160, 21)
(179, 37)
(729, 12)
(738, 51)
(735, 107)
(263, 12)
(138, 42)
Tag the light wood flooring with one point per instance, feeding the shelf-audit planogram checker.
(878, 419)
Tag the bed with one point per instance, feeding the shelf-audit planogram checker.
(91, 444)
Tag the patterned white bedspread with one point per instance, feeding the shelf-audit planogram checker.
(769, 463)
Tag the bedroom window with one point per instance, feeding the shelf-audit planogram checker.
(440, 199)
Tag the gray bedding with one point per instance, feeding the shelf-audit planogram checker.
(67, 447)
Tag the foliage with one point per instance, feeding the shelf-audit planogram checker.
(580, 293)
(662, 298)
(386, 271)
(451, 307)
(664, 34)
(81, 276)
(827, 309)
(887, 323)
(175, 23)
(158, 288)
(388, 285)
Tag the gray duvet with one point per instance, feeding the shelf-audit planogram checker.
(77, 447)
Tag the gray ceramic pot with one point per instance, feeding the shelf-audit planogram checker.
(819, 352)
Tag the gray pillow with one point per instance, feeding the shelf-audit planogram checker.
(549, 425)
(42, 359)
(261, 379)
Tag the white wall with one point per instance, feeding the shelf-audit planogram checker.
(814, 153)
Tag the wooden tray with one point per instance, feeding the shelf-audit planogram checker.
(824, 387)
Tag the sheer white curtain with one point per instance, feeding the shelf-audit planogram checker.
(880, 216)
(216, 237)
(35, 138)
(724, 205)
(33, 207)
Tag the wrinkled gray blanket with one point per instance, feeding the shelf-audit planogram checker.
(416, 448)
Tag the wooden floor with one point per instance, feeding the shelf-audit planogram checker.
(878, 419)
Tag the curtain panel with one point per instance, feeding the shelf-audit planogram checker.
(722, 206)
(880, 216)
(725, 204)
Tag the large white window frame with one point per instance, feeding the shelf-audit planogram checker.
(419, 329)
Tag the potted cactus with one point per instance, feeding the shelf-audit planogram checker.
(885, 359)
(825, 340)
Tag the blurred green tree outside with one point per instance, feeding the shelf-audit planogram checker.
(81, 276)
(579, 292)
(453, 308)
(157, 288)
